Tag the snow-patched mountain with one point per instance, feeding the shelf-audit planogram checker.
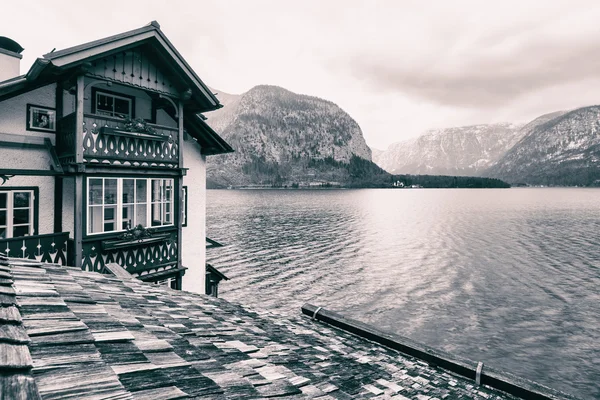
(558, 149)
(282, 138)
(466, 150)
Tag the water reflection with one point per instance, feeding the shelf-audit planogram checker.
(509, 277)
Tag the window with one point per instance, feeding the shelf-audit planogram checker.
(17, 213)
(112, 104)
(117, 204)
(162, 202)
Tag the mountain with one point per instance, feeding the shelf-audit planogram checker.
(283, 139)
(466, 150)
(557, 149)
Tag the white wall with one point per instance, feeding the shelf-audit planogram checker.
(68, 206)
(46, 198)
(193, 242)
(9, 66)
(13, 112)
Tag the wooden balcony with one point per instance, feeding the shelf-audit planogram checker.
(137, 256)
(50, 248)
(107, 141)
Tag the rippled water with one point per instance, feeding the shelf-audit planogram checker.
(507, 277)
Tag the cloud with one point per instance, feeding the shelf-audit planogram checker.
(483, 68)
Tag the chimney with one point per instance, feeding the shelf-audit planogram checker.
(10, 58)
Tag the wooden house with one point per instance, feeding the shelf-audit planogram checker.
(102, 157)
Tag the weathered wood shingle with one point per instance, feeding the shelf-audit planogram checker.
(73, 334)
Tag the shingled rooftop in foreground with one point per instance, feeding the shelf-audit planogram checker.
(67, 333)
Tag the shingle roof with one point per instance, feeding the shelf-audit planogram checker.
(65, 333)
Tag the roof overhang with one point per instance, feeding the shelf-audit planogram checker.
(56, 65)
(210, 142)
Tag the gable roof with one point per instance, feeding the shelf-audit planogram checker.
(57, 64)
(69, 333)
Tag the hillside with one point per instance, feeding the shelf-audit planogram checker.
(466, 151)
(557, 149)
(285, 139)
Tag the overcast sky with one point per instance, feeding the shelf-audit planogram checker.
(398, 67)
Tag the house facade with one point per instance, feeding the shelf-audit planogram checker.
(102, 158)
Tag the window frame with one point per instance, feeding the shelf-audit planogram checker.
(118, 221)
(184, 206)
(96, 91)
(33, 212)
(52, 120)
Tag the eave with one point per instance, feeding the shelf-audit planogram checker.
(210, 142)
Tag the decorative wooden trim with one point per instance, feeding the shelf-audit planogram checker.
(121, 132)
(122, 120)
(51, 122)
(123, 243)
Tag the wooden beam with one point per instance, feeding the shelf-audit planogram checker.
(179, 188)
(78, 221)
(469, 369)
(56, 166)
(58, 203)
(180, 126)
(79, 121)
(28, 172)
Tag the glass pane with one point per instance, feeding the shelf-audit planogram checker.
(128, 188)
(109, 213)
(3, 218)
(156, 189)
(95, 219)
(104, 105)
(168, 189)
(2, 200)
(110, 191)
(156, 214)
(127, 217)
(95, 191)
(110, 222)
(140, 216)
(21, 216)
(122, 108)
(21, 199)
(3, 233)
(21, 231)
(140, 187)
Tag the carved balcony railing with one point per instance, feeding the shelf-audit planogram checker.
(148, 255)
(50, 248)
(107, 141)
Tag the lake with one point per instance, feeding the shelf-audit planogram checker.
(510, 277)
